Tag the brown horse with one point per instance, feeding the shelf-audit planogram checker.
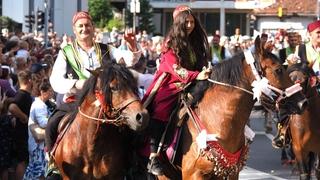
(97, 143)
(305, 128)
(214, 145)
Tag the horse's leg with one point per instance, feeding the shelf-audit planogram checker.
(303, 165)
(302, 157)
(268, 121)
(317, 170)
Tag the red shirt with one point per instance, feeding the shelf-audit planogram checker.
(167, 95)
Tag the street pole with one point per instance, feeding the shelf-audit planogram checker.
(46, 24)
(318, 9)
(134, 8)
(222, 18)
(134, 17)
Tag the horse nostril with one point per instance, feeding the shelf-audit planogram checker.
(138, 117)
(302, 104)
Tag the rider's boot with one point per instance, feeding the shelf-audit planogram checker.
(155, 166)
(279, 140)
(52, 172)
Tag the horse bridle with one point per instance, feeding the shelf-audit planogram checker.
(116, 113)
(261, 84)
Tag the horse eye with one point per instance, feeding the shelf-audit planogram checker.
(279, 71)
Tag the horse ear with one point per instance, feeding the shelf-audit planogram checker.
(258, 45)
(94, 72)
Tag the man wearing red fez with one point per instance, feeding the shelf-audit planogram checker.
(309, 52)
(70, 69)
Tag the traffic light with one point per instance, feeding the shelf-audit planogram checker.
(280, 12)
(29, 20)
(40, 20)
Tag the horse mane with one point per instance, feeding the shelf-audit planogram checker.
(230, 71)
(107, 73)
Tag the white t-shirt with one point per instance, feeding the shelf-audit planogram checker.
(38, 114)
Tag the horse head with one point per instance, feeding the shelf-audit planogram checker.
(279, 89)
(116, 94)
(303, 74)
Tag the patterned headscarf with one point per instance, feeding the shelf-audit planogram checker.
(180, 9)
(81, 15)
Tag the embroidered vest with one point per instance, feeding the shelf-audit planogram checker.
(74, 63)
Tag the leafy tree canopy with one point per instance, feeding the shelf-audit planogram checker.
(100, 11)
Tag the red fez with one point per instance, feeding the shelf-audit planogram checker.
(314, 25)
(180, 9)
(81, 15)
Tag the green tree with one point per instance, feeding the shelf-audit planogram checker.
(145, 17)
(100, 11)
(115, 23)
(10, 24)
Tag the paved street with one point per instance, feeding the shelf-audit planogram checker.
(264, 160)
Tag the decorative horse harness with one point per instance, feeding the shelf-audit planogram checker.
(226, 163)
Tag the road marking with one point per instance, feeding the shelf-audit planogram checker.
(252, 174)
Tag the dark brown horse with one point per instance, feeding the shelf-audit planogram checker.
(214, 145)
(97, 143)
(305, 128)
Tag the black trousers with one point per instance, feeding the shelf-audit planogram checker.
(53, 123)
(155, 131)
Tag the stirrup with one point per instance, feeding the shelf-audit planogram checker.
(51, 169)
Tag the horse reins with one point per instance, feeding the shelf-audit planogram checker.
(229, 85)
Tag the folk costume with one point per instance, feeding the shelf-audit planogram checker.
(168, 82)
(179, 65)
(71, 67)
(167, 95)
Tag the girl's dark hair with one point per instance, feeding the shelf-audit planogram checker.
(181, 43)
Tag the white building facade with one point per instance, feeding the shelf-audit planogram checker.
(60, 12)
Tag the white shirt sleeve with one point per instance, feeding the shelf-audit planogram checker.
(59, 83)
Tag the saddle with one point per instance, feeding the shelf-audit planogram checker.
(170, 140)
(63, 126)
